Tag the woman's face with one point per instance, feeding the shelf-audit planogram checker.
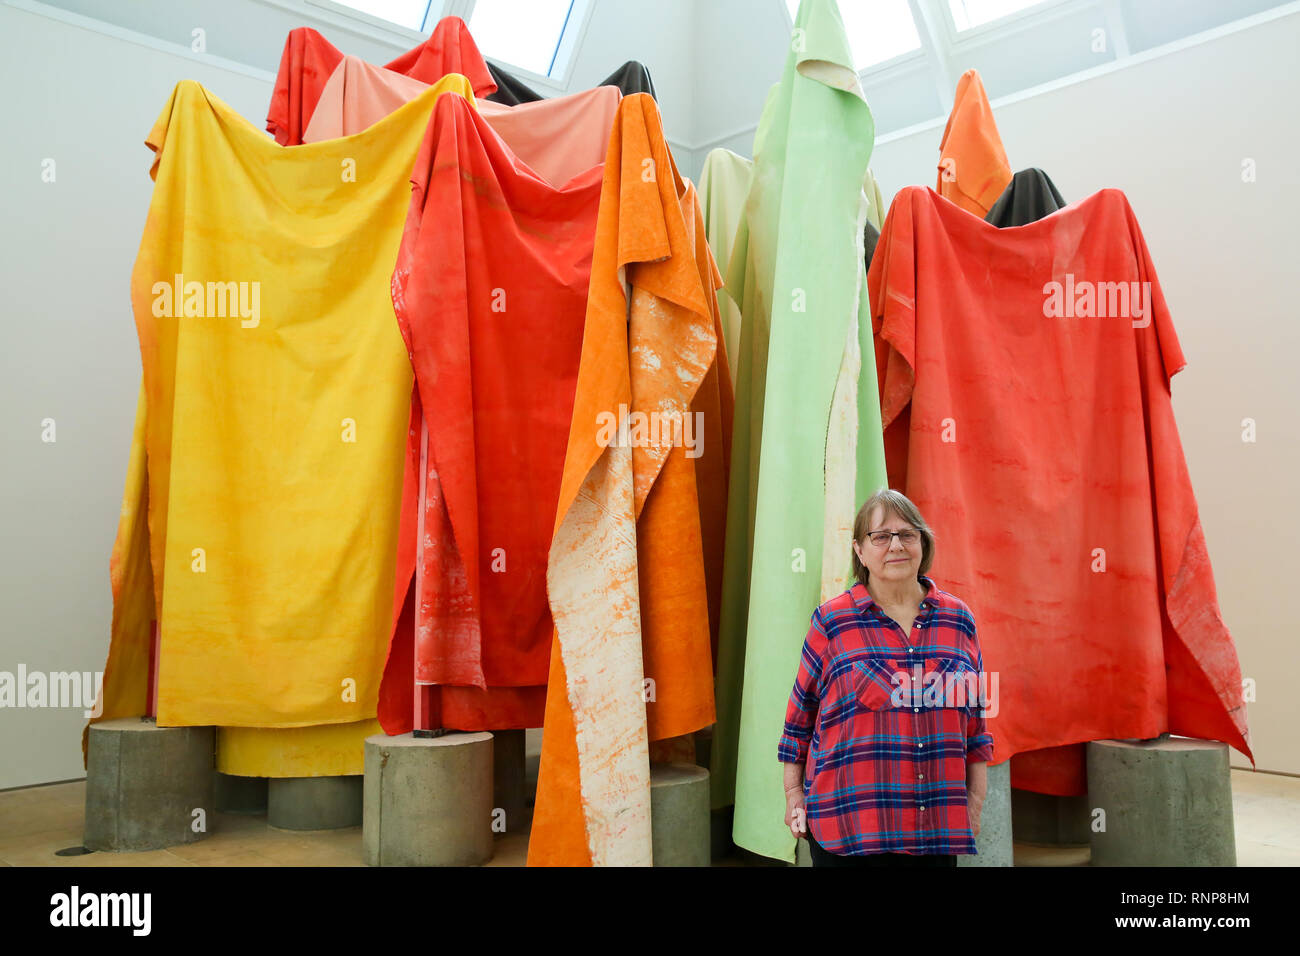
(889, 560)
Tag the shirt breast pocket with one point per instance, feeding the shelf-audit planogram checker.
(874, 683)
(952, 682)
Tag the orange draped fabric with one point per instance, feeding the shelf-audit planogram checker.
(973, 166)
(1033, 426)
(636, 559)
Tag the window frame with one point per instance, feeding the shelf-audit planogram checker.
(885, 68)
(570, 41)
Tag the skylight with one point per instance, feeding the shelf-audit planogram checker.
(411, 14)
(877, 31)
(972, 13)
(522, 33)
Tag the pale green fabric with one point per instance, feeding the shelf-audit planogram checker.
(807, 447)
(724, 184)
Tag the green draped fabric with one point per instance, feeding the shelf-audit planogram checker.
(724, 184)
(807, 446)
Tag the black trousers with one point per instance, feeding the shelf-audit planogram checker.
(824, 857)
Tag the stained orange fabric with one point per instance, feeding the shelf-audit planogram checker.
(648, 346)
(1025, 389)
(973, 166)
(309, 60)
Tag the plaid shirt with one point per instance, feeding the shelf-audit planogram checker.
(889, 751)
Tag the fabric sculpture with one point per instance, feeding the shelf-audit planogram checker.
(637, 545)
(490, 289)
(309, 60)
(631, 77)
(1031, 196)
(1025, 389)
(724, 184)
(807, 446)
(558, 138)
(260, 518)
(973, 166)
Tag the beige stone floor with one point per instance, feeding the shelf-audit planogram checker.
(37, 821)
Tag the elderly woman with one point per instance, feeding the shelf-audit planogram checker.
(883, 703)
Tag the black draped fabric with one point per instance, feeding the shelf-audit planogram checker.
(510, 91)
(1029, 197)
(631, 77)
(870, 236)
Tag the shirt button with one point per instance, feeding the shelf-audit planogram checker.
(920, 746)
(916, 710)
(911, 650)
(922, 808)
(920, 776)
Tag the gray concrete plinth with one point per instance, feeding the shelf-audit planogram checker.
(993, 844)
(1044, 819)
(240, 794)
(1167, 802)
(148, 787)
(509, 789)
(679, 814)
(429, 800)
(314, 803)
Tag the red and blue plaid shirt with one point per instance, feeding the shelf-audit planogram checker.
(890, 721)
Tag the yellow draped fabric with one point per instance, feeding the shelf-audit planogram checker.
(270, 435)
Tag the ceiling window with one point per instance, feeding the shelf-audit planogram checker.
(522, 33)
(973, 13)
(877, 31)
(412, 14)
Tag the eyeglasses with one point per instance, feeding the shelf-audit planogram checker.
(881, 539)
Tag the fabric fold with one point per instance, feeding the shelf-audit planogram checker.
(631, 77)
(973, 166)
(1040, 435)
(489, 291)
(1029, 197)
(557, 138)
(628, 574)
(267, 449)
(309, 60)
(806, 443)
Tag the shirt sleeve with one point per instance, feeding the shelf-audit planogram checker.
(801, 711)
(979, 742)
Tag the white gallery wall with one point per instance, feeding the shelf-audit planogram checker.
(1172, 132)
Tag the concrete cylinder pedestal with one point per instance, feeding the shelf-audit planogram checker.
(314, 803)
(679, 814)
(428, 800)
(1167, 802)
(148, 787)
(993, 844)
(509, 789)
(1044, 819)
(240, 794)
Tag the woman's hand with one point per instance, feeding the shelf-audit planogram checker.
(796, 815)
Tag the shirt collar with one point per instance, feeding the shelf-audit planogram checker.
(863, 599)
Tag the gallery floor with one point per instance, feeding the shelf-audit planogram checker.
(37, 822)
